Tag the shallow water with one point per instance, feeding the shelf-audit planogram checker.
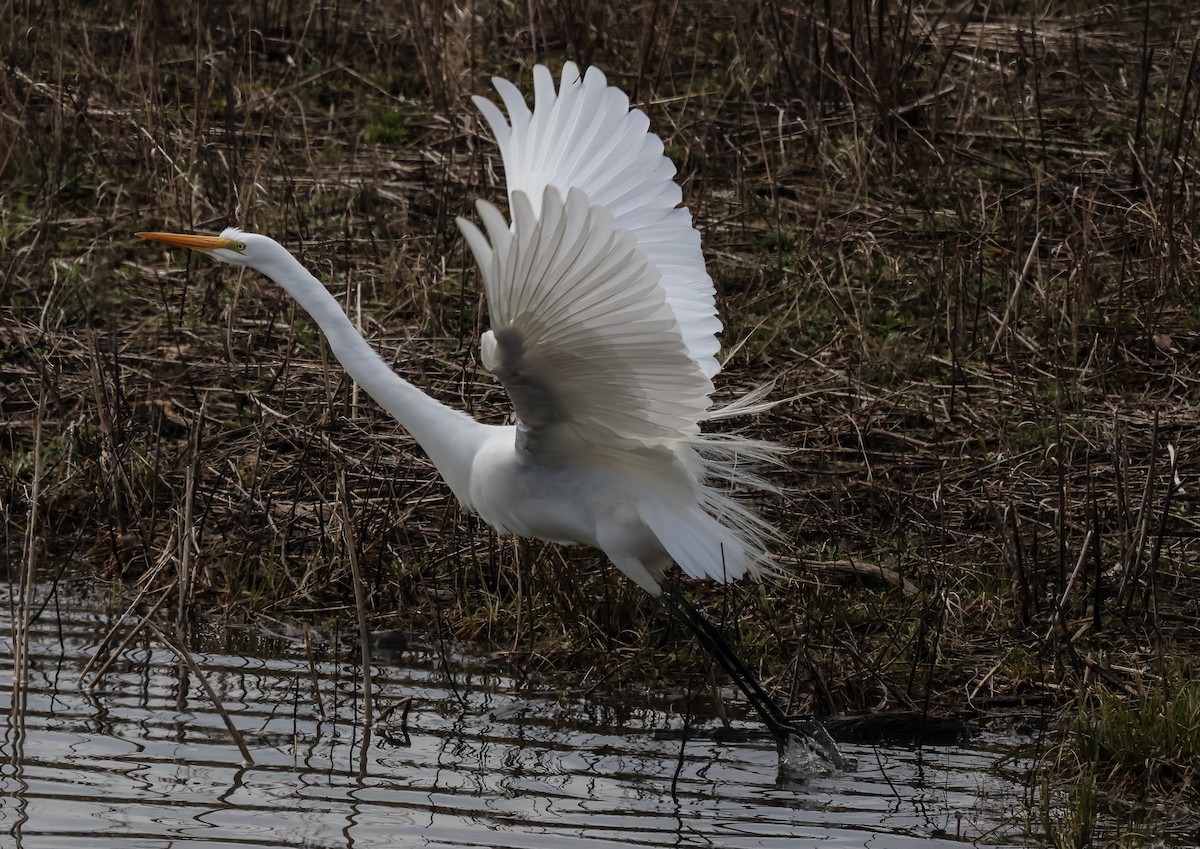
(143, 760)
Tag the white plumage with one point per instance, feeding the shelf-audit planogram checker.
(583, 337)
(586, 137)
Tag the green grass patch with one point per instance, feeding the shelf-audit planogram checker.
(1144, 745)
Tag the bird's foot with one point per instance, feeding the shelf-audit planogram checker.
(806, 749)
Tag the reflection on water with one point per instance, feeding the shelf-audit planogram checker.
(143, 760)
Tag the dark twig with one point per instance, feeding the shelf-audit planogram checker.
(184, 655)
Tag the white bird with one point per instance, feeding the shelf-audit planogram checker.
(603, 332)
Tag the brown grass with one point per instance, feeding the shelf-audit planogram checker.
(961, 238)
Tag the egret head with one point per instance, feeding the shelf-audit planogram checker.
(232, 246)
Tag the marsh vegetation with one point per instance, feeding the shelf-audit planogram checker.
(960, 237)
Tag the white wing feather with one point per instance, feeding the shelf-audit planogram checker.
(582, 336)
(586, 137)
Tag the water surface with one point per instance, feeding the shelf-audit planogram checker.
(144, 760)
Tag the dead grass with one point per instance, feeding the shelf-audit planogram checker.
(960, 237)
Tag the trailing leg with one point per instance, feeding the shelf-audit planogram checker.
(714, 642)
(785, 727)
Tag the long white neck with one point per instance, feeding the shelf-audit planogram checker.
(450, 437)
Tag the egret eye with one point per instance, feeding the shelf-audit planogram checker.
(240, 247)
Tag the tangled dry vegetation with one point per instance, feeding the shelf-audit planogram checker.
(959, 236)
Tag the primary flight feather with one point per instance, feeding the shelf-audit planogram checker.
(604, 334)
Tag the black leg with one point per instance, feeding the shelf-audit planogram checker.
(780, 723)
(718, 647)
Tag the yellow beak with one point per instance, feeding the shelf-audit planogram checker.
(196, 243)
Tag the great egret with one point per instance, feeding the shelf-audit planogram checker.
(604, 335)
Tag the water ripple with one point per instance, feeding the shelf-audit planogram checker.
(145, 761)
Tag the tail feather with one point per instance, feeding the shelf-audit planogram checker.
(702, 546)
(722, 537)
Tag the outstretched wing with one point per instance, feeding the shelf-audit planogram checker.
(582, 336)
(603, 315)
